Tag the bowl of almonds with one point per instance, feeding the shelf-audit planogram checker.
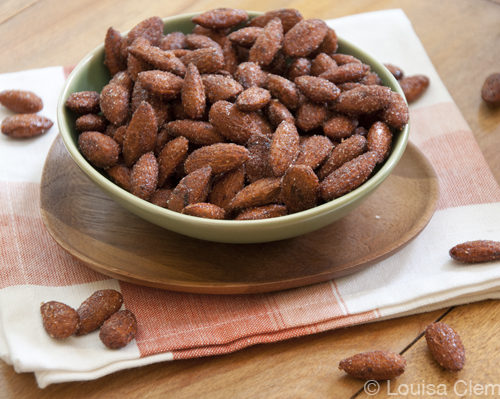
(234, 126)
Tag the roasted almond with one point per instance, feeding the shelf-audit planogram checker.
(25, 125)
(204, 210)
(305, 37)
(96, 309)
(261, 192)
(379, 140)
(144, 176)
(284, 90)
(245, 36)
(490, 92)
(350, 72)
(197, 132)
(91, 122)
(207, 60)
(253, 99)
(414, 86)
(221, 18)
(313, 151)
(100, 150)
(262, 212)
(322, 63)
(299, 189)
(191, 189)
(21, 101)
(172, 155)
(113, 56)
(445, 346)
(219, 87)
(249, 74)
(349, 176)
(193, 93)
(476, 251)
(151, 29)
(396, 114)
(221, 157)
(317, 89)
(284, 148)
(267, 43)
(226, 186)
(396, 71)
(299, 67)
(59, 320)
(173, 41)
(277, 113)
(83, 102)
(377, 365)
(115, 103)
(289, 18)
(117, 331)
(363, 100)
(310, 116)
(161, 83)
(342, 153)
(120, 174)
(339, 127)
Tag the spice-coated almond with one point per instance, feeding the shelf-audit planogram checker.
(25, 125)
(445, 346)
(59, 320)
(377, 365)
(476, 251)
(21, 101)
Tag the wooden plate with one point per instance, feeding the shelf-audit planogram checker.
(109, 239)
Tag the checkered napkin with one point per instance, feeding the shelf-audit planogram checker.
(418, 278)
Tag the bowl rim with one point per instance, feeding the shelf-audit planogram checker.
(317, 211)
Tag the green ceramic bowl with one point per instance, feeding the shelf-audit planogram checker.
(91, 74)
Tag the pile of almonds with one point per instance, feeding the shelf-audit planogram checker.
(100, 310)
(27, 123)
(241, 119)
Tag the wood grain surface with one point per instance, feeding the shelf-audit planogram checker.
(462, 39)
(114, 242)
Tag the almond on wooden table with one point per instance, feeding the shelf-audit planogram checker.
(377, 365)
(445, 346)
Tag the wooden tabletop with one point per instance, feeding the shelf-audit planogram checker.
(462, 39)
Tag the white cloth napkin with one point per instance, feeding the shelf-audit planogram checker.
(417, 278)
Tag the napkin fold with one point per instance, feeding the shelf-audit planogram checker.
(420, 277)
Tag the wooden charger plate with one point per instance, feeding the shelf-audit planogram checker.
(95, 229)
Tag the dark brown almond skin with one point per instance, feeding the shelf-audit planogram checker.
(59, 320)
(277, 112)
(284, 90)
(118, 330)
(313, 151)
(161, 196)
(21, 101)
(119, 134)
(150, 29)
(253, 99)
(172, 155)
(173, 41)
(299, 67)
(363, 100)
(330, 43)
(113, 57)
(257, 166)
(267, 43)
(284, 148)
(339, 127)
(322, 63)
(317, 89)
(96, 309)
(135, 66)
(91, 122)
(230, 56)
(24, 126)
(379, 140)
(445, 346)
(310, 116)
(305, 37)
(115, 103)
(261, 192)
(300, 188)
(161, 83)
(83, 102)
(396, 114)
(396, 71)
(193, 93)
(207, 60)
(144, 176)
(289, 18)
(377, 365)
(349, 149)
(156, 57)
(141, 134)
(218, 87)
(197, 132)
(262, 212)
(342, 59)
(225, 187)
(414, 86)
(221, 18)
(120, 174)
(221, 157)
(160, 107)
(246, 36)
(205, 210)
(191, 189)
(350, 72)
(250, 74)
(490, 92)
(476, 251)
(233, 124)
(196, 41)
(100, 150)
(348, 177)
